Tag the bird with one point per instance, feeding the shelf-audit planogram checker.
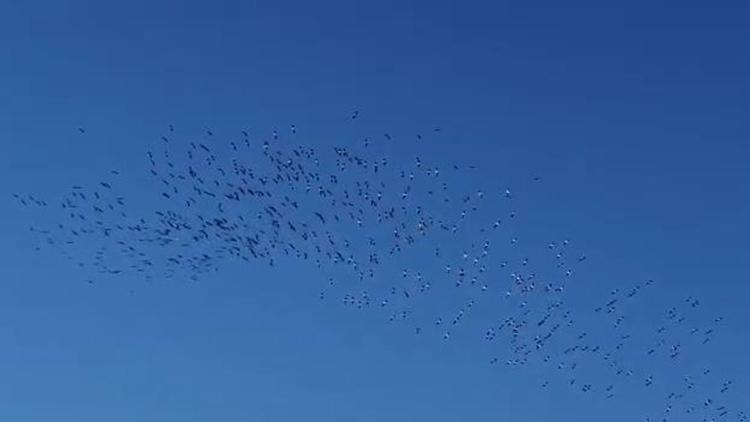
(365, 217)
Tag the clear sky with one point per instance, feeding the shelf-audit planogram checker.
(634, 115)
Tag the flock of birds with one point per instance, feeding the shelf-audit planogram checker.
(405, 240)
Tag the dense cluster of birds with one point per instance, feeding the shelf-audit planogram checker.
(407, 240)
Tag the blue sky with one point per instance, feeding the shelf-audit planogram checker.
(633, 115)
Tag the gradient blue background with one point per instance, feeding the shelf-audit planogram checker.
(635, 115)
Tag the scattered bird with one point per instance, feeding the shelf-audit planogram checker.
(363, 217)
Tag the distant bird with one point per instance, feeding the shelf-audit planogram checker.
(403, 236)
